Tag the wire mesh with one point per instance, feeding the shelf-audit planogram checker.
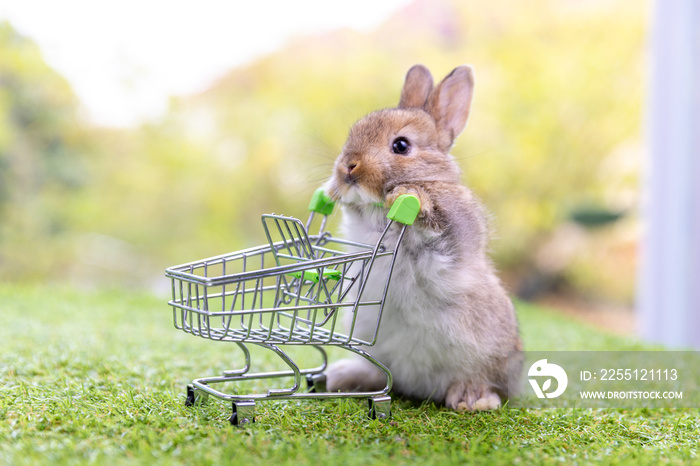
(293, 290)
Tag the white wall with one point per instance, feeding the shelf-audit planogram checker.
(669, 281)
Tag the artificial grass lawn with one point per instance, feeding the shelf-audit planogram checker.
(100, 378)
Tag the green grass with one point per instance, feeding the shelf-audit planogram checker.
(99, 377)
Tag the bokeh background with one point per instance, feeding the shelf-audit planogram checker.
(554, 146)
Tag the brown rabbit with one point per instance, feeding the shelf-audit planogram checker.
(448, 326)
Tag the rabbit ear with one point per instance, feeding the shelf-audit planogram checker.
(450, 103)
(416, 88)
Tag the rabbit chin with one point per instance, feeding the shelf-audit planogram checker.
(356, 195)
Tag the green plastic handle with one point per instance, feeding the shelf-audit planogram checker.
(404, 209)
(321, 203)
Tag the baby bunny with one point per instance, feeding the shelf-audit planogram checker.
(448, 326)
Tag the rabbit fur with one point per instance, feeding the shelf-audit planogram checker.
(448, 326)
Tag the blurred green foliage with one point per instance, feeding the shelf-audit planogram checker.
(42, 159)
(554, 126)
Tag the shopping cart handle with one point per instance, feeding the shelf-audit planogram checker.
(321, 203)
(404, 209)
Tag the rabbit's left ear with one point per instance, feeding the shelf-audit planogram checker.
(416, 88)
(449, 105)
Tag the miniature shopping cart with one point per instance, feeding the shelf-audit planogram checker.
(299, 289)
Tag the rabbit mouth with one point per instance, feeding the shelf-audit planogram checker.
(350, 179)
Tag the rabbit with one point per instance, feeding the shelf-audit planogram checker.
(448, 325)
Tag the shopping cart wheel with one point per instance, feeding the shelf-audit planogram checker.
(380, 407)
(194, 396)
(243, 413)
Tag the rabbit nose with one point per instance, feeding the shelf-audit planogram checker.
(351, 177)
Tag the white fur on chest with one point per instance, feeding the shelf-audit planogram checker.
(422, 337)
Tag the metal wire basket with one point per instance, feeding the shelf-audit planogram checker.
(298, 289)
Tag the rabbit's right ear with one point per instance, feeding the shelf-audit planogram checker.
(416, 88)
(450, 103)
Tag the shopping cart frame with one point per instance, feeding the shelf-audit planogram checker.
(314, 279)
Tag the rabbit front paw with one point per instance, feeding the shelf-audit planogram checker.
(426, 214)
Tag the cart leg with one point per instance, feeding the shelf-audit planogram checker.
(243, 413)
(316, 383)
(195, 396)
(246, 352)
(380, 407)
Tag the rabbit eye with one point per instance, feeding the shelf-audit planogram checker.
(400, 146)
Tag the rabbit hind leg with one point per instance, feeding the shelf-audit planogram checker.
(462, 396)
(354, 375)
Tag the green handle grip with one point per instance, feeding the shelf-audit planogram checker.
(321, 203)
(404, 209)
